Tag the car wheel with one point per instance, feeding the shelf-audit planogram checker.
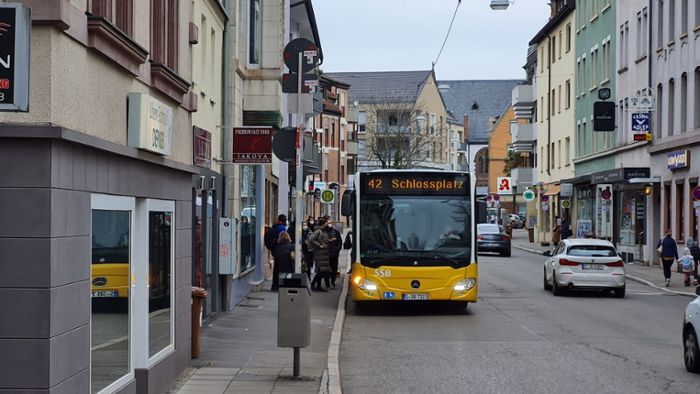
(620, 293)
(691, 352)
(546, 285)
(507, 253)
(556, 290)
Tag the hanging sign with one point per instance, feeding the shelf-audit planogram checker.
(150, 124)
(252, 145)
(528, 195)
(15, 44)
(504, 185)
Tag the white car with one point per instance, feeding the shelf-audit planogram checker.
(691, 328)
(584, 264)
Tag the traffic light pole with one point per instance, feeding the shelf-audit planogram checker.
(299, 209)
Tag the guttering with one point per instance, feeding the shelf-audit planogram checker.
(314, 27)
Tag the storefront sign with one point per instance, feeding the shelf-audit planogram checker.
(678, 159)
(252, 145)
(566, 190)
(504, 185)
(150, 124)
(528, 195)
(15, 43)
(620, 174)
(202, 148)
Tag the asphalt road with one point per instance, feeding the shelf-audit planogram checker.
(520, 339)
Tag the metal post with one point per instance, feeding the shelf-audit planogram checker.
(297, 358)
(299, 208)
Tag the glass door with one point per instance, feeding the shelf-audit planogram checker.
(111, 359)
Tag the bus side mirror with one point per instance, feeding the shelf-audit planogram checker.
(346, 204)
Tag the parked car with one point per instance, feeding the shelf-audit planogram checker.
(691, 328)
(584, 264)
(492, 238)
(516, 221)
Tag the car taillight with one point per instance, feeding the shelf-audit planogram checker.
(616, 264)
(505, 238)
(567, 262)
(481, 237)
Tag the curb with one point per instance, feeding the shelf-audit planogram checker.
(333, 385)
(634, 278)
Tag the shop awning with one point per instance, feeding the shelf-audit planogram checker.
(552, 190)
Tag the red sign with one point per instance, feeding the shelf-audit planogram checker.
(202, 148)
(252, 145)
(696, 193)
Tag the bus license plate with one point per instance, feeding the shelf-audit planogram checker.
(415, 296)
(104, 293)
(599, 267)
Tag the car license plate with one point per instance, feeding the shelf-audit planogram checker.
(105, 293)
(415, 297)
(598, 267)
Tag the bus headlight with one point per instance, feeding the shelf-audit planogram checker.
(364, 284)
(466, 284)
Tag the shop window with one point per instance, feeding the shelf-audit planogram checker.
(248, 218)
(112, 254)
(160, 281)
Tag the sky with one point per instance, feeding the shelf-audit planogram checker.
(397, 35)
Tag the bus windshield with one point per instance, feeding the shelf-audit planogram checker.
(415, 230)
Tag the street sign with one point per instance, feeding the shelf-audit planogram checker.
(640, 122)
(328, 196)
(566, 189)
(528, 195)
(504, 185)
(604, 116)
(566, 204)
(290, 83)
(308, 50)
(319, 185)
(696, 193)
(605, 194)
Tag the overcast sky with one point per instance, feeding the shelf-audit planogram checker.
(382, 35)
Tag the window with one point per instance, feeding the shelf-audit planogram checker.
(697, 15)
(560, 42)
(659, 109)
(594, 68)
(362, 121)
(645, 31)
(559, 154)
(541, 155)
(584, 76)
(332, 138)
(567, 151)
(640, 34)
(684, 17)
(671, 20)
(433, 123)
(567, 92)
(118, 12)
(553, 48)
(578, 138)
(552, 100)
(660, 25)
(551, 163)
(696, 110)
(255, 31)
(164, 32)
(684, 102)
(671, 105)
(568, 37)
(559, 100)
(541, 59)
(624, 45)
(607, 58)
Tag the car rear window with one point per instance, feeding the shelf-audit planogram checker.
(488, 229)
(592, 251)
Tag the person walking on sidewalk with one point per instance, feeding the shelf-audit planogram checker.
(283, 256)
(318, 244)
(695, 252)
(668, 251)
(335, 243)
(556, 232)
(688, 265)
(307, 257)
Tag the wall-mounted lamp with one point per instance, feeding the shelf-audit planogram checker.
(500, 5)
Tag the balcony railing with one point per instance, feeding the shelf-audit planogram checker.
(523, 177)
(523, 101)
(523, 133)
(352, 148)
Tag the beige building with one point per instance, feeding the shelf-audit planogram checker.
(554, 128)
(402, 119)
(98, 174)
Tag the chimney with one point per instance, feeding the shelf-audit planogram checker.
(553, 9)
(466, 128)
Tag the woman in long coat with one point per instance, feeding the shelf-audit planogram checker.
(319, 245)
(283, 256)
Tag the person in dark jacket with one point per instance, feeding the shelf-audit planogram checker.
(565, 230)
(669, 254)
(283, 256)
(695, 252)
(319, 245)
(306, 255)
(335, 244)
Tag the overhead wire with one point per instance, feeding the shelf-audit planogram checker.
(449, 29)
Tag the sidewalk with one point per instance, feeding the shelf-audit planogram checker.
(650, 276)
(239, 352)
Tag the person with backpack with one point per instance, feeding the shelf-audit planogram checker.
(668, 251)
(687, 263)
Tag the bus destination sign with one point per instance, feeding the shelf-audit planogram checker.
(398, 183)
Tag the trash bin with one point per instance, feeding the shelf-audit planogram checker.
(531, 234)
(294, 311)
(198, 297)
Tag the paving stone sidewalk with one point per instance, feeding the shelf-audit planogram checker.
(239, 352)
(649, 275)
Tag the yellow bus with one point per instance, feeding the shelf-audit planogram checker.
(413, 236)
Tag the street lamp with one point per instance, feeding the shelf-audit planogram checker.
(500, 5)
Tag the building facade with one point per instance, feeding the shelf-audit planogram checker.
(97, 215)
(554, 128)
(500, 142)
(675, 153)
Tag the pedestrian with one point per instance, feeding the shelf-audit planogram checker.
(283, 256)
(307, 257)
(687, 263)
(318, 244)
(668, 251)
(695, 252)
(565, 230)
(335, 244)
(348, 245)
(556, 232)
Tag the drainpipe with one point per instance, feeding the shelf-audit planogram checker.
(549, 104)
(226, 118)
